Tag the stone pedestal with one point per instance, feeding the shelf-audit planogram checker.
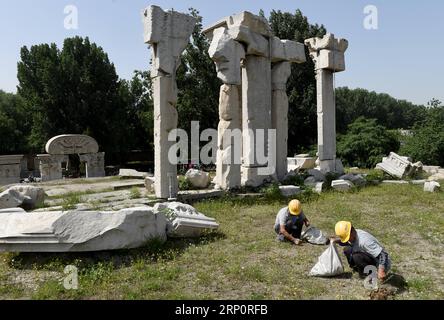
(10, 167)
(95, 164)
(51, 166)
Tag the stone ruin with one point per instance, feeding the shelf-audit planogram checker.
(60, 147)
(168, 34)
(254, 66)
(10, 167)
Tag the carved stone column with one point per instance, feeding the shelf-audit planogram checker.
(51, 166)
(168, 34)
(328, 56)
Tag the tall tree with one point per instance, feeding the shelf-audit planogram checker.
(73, 90)
(14, 124)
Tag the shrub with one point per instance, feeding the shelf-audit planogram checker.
(366, 143)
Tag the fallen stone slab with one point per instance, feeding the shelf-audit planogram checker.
(289, 191)
(132, 174)
(194, 195)
(418, 182)
(319, 187)
(78, 231)
(128, 185)
(356, 179)
(184, 220)
(197, 178)
(341, 185)
(398, 166)
(12, 210)
(432, 186)
(395, 182)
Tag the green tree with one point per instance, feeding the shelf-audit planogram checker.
(73, 90)
(14, 124)
(366, 143)
(197, 82)
(427, 142)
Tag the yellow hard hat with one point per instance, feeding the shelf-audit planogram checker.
(343, 230)
(295, 207)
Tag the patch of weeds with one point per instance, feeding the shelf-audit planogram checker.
(272, 192)
(96, 273)
(184, 184)
(420, 285)
(135, 193)
(375, 175)
(70, 202)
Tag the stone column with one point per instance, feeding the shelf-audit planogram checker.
(95, 164)
(51, 166)
(328, 56)
(168, 34)
(279, 115)
(227, 55)
(256, 115)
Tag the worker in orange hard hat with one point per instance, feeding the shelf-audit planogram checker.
(361, 249)
(290, 221)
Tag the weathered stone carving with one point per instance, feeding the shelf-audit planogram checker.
(263, 100)
(328, 56)
(71, 144)
(51, 166)
(95, 164)
(168, 34)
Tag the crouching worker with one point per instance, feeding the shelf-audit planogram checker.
(361, 249)
(290, 221)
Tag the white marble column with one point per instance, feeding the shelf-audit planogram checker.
(168, 33)
(328, 56)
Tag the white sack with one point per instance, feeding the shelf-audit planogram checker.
(329, 264)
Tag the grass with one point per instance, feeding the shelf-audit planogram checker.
(135, 193)
(242, 260)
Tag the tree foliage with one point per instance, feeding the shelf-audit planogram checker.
(366, 143)
(427, 142)
(73, 90)
(14, 124)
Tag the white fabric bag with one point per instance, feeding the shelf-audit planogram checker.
(329, 264)
(314, 236)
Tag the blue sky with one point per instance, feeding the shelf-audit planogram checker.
(404, 57)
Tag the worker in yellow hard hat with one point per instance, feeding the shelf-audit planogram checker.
(290, 221)
(361, 249)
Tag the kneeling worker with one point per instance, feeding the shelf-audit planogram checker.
(361, 249)
(290, 221)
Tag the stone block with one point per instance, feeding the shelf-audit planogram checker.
(287, 50)
(318, 175)
(33, 196)
(132, 174)
(255, 43)
(432, 186)
(184, 220)
(256, 24)
(289, 191)
(396, 166)
(197, 178)
(341, 185)
(10, 168)
(80, 231)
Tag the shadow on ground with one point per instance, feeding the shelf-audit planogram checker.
(151, 252)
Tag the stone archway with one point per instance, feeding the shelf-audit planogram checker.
(84, 148)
